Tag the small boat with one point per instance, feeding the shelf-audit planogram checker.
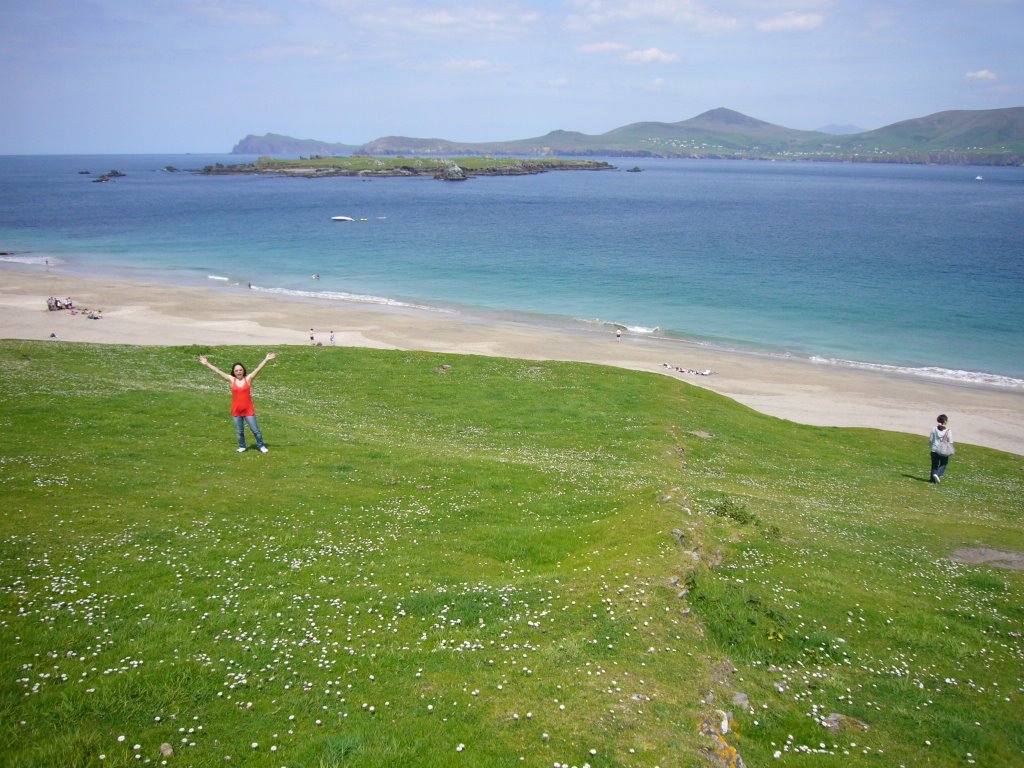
(342, 218)
(979, 178)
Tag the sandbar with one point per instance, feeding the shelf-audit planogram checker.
(142, 312)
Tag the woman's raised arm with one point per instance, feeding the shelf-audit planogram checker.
(214, 368)
(270, 356)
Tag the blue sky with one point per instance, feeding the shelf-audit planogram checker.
(136, 76)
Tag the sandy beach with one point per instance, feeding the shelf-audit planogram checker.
(148, 313)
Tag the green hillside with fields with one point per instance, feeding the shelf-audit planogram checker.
(961, 137)
(465, 561)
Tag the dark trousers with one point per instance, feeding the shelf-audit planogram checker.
(939, 463)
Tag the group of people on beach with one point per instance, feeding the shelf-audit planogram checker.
(54, 304)
(689, 371)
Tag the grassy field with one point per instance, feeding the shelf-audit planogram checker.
(468, 561)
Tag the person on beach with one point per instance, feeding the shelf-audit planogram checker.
(333, 340)
(242, 409)
(941, 443)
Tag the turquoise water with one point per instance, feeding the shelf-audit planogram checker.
(909, 267)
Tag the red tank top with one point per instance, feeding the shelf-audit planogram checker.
(241, 398)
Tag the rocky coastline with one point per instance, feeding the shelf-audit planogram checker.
(444, 170)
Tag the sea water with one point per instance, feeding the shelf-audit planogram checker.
(899, 267)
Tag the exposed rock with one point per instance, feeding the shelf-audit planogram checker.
(836, 722)
(723, 720)
(741, 700)
(720, 752)
(451, 172)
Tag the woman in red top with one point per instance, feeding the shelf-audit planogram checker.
(242, 409)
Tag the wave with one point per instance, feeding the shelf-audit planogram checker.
(930, 372)
(356, 298)
(24, 258)
(640, 330)
(216, 277)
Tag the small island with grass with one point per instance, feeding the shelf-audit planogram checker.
(445, 169)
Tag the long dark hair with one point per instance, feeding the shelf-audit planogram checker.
(244, 372)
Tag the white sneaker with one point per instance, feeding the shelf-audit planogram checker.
(241, 450)
(936, 479)
(263, 449)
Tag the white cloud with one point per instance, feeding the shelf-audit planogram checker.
(633, 56)
(434, 18)
(792, 22)
(603, 47)
(650, 55)
(982, 74)
(687, 13)
(655, 85)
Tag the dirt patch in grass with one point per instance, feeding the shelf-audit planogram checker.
(1012, 561)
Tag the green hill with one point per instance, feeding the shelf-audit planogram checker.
(986, 137)
(276, 144)
(992, 131)
(464, 561)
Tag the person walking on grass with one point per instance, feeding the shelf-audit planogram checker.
(242, 409)
(941, 443)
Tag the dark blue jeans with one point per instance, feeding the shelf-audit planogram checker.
(939, 463)
(240, 422)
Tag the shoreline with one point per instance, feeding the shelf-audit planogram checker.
(804, 391)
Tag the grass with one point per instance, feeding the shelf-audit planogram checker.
(484, 556)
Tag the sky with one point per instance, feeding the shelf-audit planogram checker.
(170, 76)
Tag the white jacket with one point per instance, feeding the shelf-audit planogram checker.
(937, 436)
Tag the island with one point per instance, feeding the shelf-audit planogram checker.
(446, 169)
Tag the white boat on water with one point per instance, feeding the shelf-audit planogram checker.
(342, 218)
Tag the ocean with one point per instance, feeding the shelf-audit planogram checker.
(911, 269)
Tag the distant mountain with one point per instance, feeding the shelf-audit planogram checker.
(981, 137)
(840, 130)
(276, 144)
